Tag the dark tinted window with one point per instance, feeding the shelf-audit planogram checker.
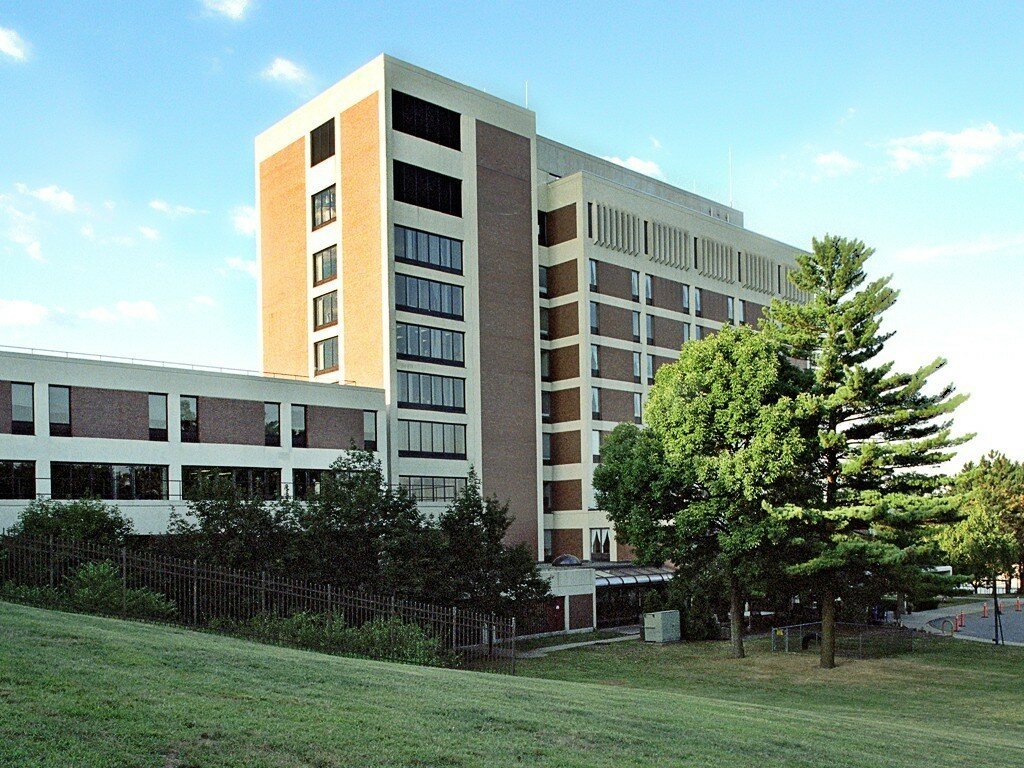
(428, 250)
(60, 411)
(428, 297)
(23, 412)
(425, 120)
(321, 143)
(189, 419)
(432, 392)
(17, 479)
(299, 439)
(370, 430)
(261, 482)
(427, 189)
(107, 481)
(157, 416)
(438, 345)
(272, 424)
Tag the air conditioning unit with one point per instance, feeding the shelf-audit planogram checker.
(661, 627)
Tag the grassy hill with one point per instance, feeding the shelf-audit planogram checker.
(85, 691)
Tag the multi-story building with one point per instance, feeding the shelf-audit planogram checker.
(511, 296)
(142, 436)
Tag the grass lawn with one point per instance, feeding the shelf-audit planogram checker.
(85, 691)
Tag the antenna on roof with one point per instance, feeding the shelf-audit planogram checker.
(730, 177)
(526, 87)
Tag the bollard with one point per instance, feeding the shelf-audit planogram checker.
(984, 611)
(1017, 606)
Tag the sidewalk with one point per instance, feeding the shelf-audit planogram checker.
(541, 652)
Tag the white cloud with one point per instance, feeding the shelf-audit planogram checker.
(850, 112)
(244, 219)
(983, 246)
(835, 163)
(646, 167)
(149, 233)
(204, 301)
(53, 195)
(655, 142)
(232, 9)
(123, 310)
(12, 44)
(22, 228)
(285, 71)
(173, 210)
(88, 232)
(964, 152)
(18, 312)
(109, 205)
(242, 265)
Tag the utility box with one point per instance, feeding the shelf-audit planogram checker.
(661, 627)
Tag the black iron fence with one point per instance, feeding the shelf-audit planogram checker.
(860, 641)
(259, 606)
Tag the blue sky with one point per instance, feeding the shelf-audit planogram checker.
(126, 178)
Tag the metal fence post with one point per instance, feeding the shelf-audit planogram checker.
(513, 646)
(49, 559)
(195, 592)
(263, 590)
(124, 580)
(455, 629)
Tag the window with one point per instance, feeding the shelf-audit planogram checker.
(428, 250)
(545, 406)
(548, 494)
(650, 369)
(107, 481)
(730, 308)
(595, 445)
(545, 323)
(638, 407)
(261, 482)
(60, 411)
(299, 436)
(428, 297)
(649, 289)
(702, 332)
(324, 211)
(370, 430)
(697, 309)
(424, 120)
(590, 220)
(189, 419)
(600, 544)
(325, 265)
(594, 317)
(429, 391)
(549, 548)
(542, 280)
(435, 345)
(321, 142)
(272, 424)
(636, 325)
(326, 355)
(426, 488)
(542, 228)
(545, 447)
(431, 439)
(306, 482)
(23, 410)
(650, 329)
(593, 274)
(17, 479)
(741, 311)
(595, 360)
(686, 332)
(634, 285)
(325, 310)
(427, 189)
(686, 298)
(545, 365)
(646, 241)
(636, 366)
(595, 402)
(157, 417)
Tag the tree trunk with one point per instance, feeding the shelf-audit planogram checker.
(898, 613)
(828, 629)
(736, 618)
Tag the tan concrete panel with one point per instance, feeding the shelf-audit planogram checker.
(283, 270)
(361, 248)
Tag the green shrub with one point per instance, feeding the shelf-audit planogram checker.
(94, 588)
(390, 638)
(81, 520)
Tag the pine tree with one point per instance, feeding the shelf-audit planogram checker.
(880, 434)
